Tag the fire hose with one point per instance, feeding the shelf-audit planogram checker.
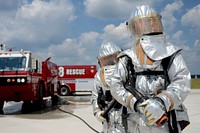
(64, 111)
(111, 105)
(79, 119)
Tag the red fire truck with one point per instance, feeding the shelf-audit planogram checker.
(24, 77)
(76, 78)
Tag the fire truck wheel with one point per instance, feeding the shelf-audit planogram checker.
(64, 91)
(26, 107)
(55, 100)
(38, 104)
(1, 107)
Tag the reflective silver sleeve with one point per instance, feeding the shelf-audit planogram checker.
(94, 95)
(117, 85)
(180, 85)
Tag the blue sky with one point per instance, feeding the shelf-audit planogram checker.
(71, 31)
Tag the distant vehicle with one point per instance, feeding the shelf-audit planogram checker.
(76, 78)
(24, 77)
(195, 76)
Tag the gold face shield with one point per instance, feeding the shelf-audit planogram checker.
(110, 59)
(141, 25)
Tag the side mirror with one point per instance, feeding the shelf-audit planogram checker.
(34, 65)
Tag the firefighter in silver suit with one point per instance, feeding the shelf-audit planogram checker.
(101, 96)
(159, 109)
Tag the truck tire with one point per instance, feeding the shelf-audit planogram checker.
(55, 100)
(64, 91)
(1, 107)
(26, 106)
(38, 104)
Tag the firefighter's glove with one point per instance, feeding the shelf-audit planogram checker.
(138, 108)
(153, 109)
(99, 116)
(167, 99)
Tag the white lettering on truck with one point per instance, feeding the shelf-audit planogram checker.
(75, 71)
(61, 71)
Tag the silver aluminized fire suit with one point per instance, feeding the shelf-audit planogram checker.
(162, 89)
(156, 49)
(102, 81)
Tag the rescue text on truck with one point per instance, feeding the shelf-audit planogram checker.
(76, 78)
(24, 77)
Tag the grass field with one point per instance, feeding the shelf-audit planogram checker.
(196, 83)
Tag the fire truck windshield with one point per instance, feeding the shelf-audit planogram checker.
(12, 63)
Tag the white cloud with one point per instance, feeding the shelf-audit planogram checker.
(89, 40)
(121, 31)
(112, 8)
(76, 51)
(42, 10)
(43, 26)
(9, 5)
(85, 49)
(191, 18)
(38, 23)
(177, 39)
(118, 34)
(177, 35)
(197, 44)
(169, 20)
(67, 52)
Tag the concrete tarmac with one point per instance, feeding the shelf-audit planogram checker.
(192, 104)
(76, 118)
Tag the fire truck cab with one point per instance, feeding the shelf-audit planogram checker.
(25, 77)
(76, 78)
